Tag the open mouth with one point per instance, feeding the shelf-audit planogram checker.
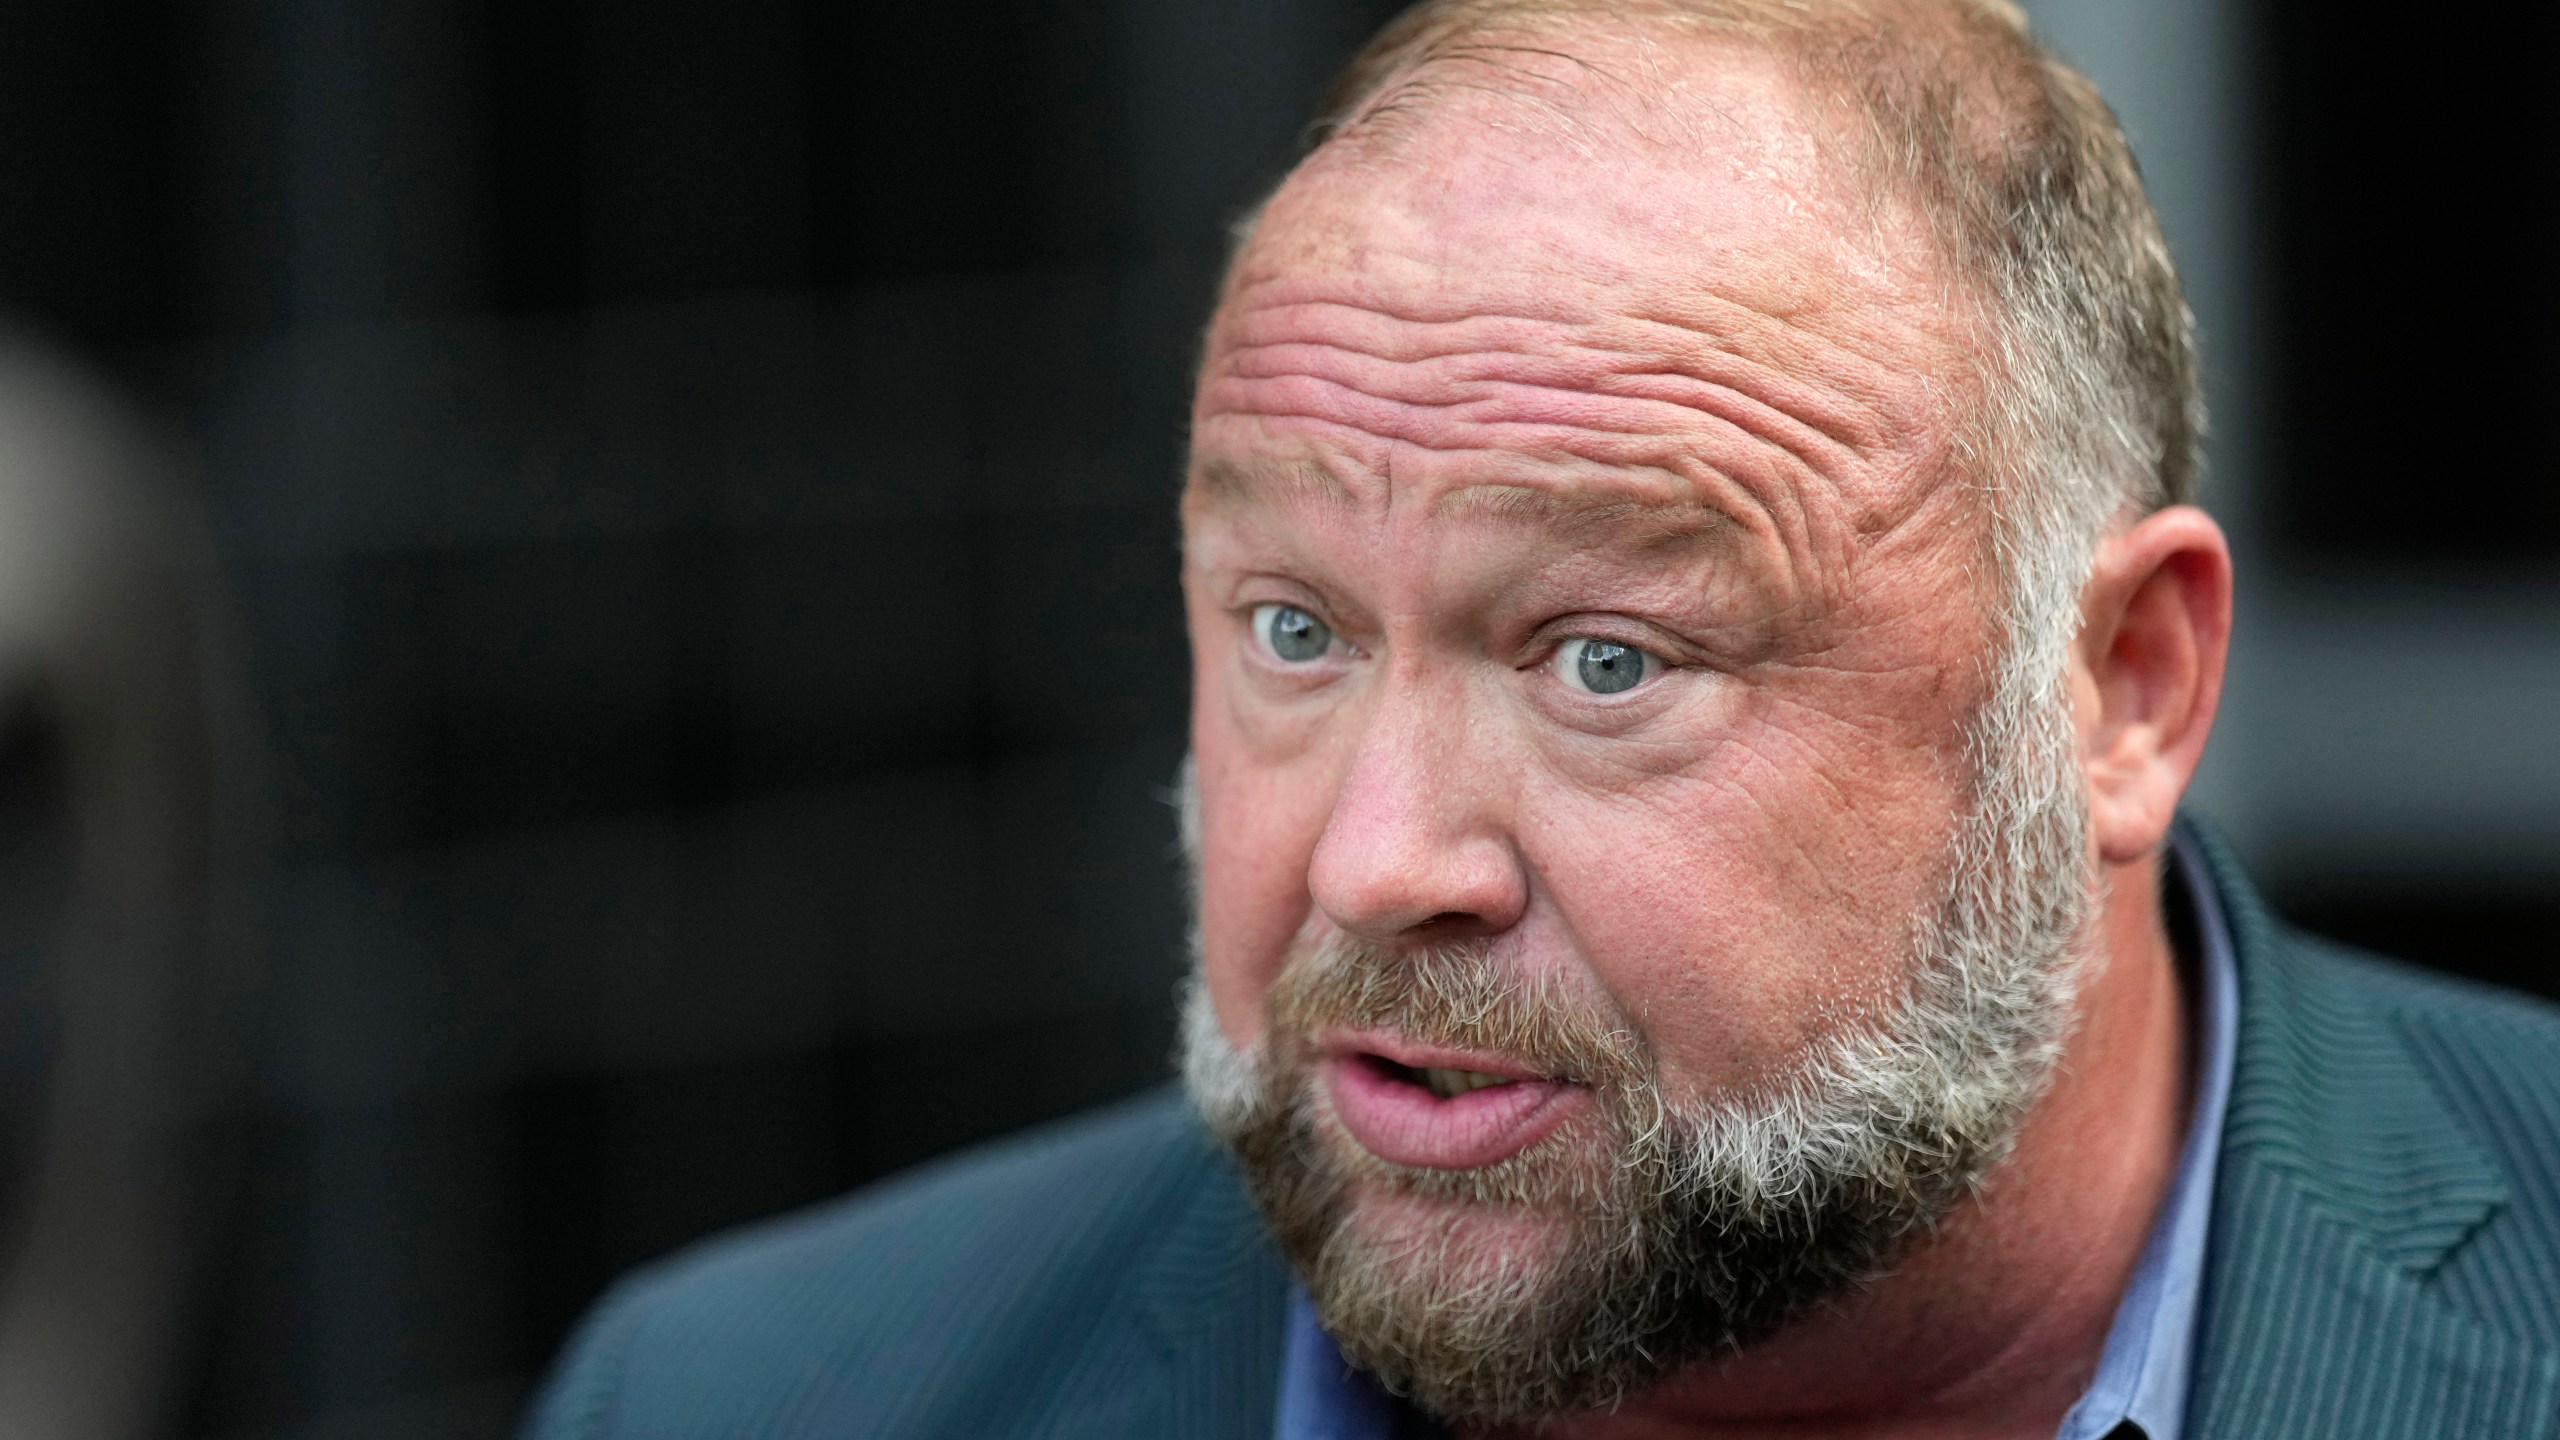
(1444, 1081)
(1424, 1106)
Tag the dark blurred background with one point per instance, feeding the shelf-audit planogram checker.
(695, 485)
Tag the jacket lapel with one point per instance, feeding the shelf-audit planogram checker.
(1212, 1298)
(2344, 1183)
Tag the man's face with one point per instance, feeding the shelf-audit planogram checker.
(1586, 641)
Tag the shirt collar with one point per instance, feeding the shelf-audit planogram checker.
(2144, 1371)
(1323, 1398)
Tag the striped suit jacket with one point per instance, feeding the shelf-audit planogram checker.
(2384, 1262)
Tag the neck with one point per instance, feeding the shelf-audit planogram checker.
(1994, 1325)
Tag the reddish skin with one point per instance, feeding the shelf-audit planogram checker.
(1435, 350)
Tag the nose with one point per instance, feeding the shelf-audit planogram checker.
(1418, 845)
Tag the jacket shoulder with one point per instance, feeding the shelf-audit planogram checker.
(2423, 990)
(895, 1309)
(2507, 1030)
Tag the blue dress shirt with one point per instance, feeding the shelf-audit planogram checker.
(2142, 1380)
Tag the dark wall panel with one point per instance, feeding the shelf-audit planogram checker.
(2409, 172)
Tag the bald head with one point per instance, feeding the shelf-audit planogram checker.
(1526, 291)
(1880, 73)
(1945, 111)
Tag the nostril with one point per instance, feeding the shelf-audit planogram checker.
(1452, 925)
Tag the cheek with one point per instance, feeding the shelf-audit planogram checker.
(1743, 908)
(1259, 824)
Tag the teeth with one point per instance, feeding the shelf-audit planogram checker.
(1447, 1083)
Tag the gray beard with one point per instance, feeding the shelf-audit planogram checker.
(1683, 1231)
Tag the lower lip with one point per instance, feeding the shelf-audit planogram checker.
(1406, 1124)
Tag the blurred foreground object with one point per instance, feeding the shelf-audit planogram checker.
(127, 840)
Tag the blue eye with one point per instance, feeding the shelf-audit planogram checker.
(1604, 667)
(1291, 633)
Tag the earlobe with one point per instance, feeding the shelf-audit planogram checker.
(2155, 634)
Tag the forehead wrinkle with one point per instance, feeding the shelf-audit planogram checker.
(1751, 455)
(1449, 349)
(1805, 393)
(1787, 369)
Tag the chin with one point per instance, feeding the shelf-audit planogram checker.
(1437, 1246)
(1473, 1309)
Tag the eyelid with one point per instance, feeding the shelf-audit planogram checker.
(1674, 652)
(1254, 591)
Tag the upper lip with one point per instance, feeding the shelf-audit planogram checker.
(1416, 1055)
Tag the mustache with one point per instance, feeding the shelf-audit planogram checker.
(1462, 996)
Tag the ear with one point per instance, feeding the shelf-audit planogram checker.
(2155, 630)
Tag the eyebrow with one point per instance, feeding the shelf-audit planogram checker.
(1594, 514)
(1220, 483)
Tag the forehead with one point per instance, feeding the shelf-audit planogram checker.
(1679, 302)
